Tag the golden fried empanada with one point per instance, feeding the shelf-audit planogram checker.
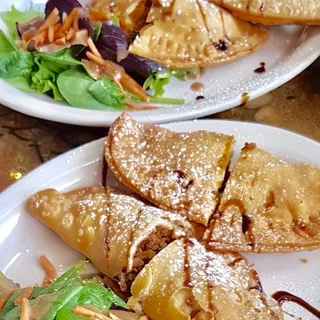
(132, 14)
(186, 281)
(274, 11)
(116, 231)
(268, 206)
(180, 172)
(190, 33)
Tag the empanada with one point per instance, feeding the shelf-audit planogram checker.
(116, 231)
(180, 172)
(190, 33)
(186, 281)
(274, 12)
(268, 206)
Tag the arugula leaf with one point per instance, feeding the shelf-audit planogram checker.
(107, 92)
(11, 17)
(6, 44)
(62, 59)
(182, 73)
(99, 296)
(97, 30)
(61, 282)
(16, 64)
(74, 86)
(65, 296)
(156, 82)
(44, 80)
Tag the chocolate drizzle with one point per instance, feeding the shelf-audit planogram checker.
(283, 296)
(104, 172)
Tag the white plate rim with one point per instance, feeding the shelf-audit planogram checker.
(276, 77)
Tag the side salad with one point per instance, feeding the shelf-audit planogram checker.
(69, 55)
(69, 297)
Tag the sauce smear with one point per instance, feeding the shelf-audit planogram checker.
(197, 86)
(283, 296)
(262, 68)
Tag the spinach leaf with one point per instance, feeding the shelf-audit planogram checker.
(20, 83)
(73, 85)
(11, 17)
(44, 80)
(6, 44)
(16, 64)
(107, 92)
(62, 59)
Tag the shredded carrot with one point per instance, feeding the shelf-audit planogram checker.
(40, 38)
(93, 48)
(95, 59)
(4, 299)
(48, 268)
(26, 293)
(61, 41)
(136, 107)
(51, 34)
(25, 310)
(134, 87)
(52, 19)
(69, 21)
(71, 35)
(83, 312)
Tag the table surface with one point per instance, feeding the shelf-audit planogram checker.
(26, 142)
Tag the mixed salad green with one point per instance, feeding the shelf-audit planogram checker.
(59, 300)
(60, 71)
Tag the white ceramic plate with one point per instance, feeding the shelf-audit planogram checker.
(23, 239)
(288, 52)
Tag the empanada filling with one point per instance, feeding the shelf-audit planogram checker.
(155, 242)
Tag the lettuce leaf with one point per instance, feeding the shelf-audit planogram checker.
(13, 15)
(6, 44)
(44, 80)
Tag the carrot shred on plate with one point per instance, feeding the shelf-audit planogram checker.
(93, 48)
(52, 19)
(75, 13)
(86, 313)
(51, 34)
(26, 293)
(25, 313)
(49, 270)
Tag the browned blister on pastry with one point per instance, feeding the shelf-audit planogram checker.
(268, 206)
(273, 12)
(195, 33)
(180, 172)
(116, 231)
(186, 281)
